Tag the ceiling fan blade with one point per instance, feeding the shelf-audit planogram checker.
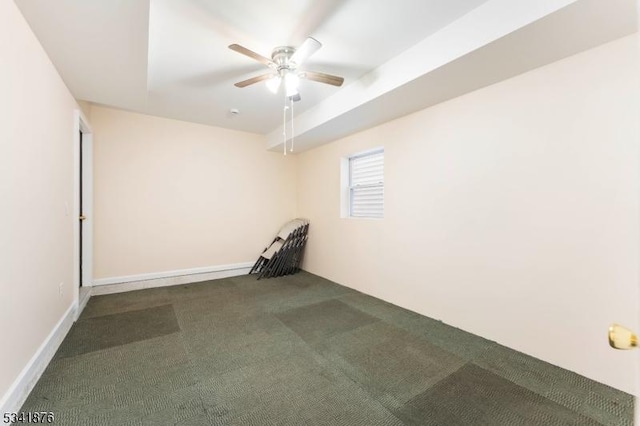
(253, 80)
(306, 49)
(250, 53)
(320, 77)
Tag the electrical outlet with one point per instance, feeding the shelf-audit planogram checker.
(61, 288)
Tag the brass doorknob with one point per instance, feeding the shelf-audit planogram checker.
(83, 217)
(621, 337)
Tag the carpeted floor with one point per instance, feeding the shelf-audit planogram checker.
(298, 350)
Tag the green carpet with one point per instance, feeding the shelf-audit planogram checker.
(298, 350)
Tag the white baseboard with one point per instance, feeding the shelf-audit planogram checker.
(169, 278)
(21, 388)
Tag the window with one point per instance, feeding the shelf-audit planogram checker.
(366, 184)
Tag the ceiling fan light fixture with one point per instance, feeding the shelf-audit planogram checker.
(291, 83)
(273, 84)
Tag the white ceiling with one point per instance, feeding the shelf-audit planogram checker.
(170, 58)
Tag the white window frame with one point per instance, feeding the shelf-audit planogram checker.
(350, 188)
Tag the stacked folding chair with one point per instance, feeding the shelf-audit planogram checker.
(284, 254)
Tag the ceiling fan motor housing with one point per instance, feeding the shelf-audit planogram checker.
(281, 56)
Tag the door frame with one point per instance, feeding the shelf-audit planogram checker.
(81, 295)
(636, 406)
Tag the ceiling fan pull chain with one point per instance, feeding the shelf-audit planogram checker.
(284, 126)
(292, 134)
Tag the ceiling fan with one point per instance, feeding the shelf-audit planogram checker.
(285, 65)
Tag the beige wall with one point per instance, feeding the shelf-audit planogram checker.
(36, 181)
(511, 212)
(85, 107)
(171, 195)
